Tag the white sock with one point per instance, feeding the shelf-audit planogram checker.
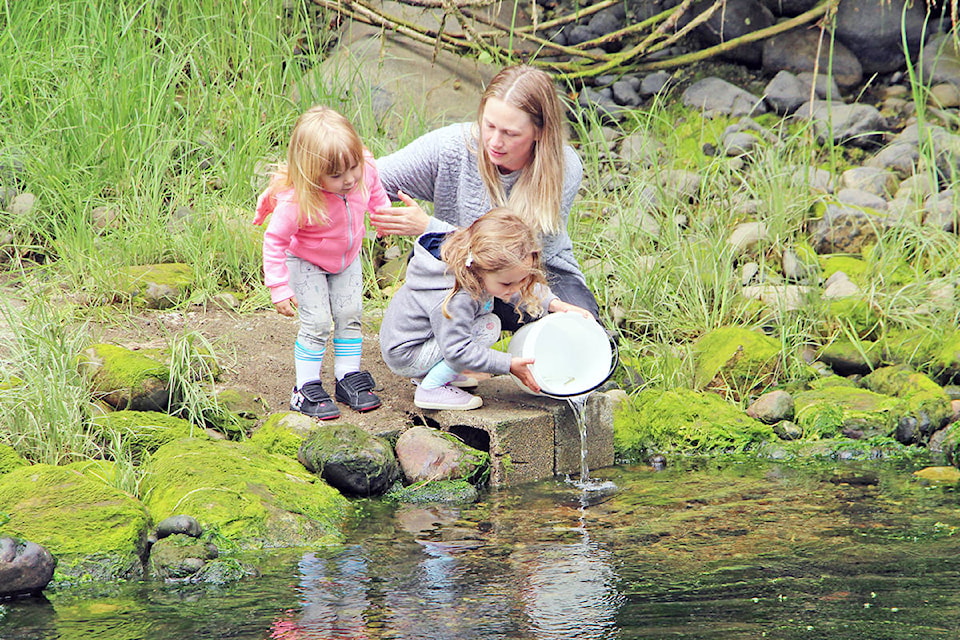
(308, 364)
(346, 356)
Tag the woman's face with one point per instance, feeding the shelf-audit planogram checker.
(508, 134)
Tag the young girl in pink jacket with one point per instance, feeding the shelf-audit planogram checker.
(311, 249)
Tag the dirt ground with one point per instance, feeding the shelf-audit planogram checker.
(255, 351)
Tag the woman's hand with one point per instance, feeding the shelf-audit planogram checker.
(287, 307)
(559, 306)
(520, 367)
(408, 220)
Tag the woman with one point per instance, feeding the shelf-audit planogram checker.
(514, 156)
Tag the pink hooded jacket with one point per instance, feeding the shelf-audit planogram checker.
(332, 246)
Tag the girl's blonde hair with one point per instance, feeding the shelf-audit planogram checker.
(496, 241)
(323, 143)
(537, 195)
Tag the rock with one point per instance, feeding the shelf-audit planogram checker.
(772, 407)
(427, 455)
(255, 499)
(126, 379)
(844, 229)
(796, 51)
(180, 556)
(26, 568)
(859, 125)
(159, 286)
(879, 182)
(734, 19)
(940, 60)
(862, 199)
(350, 459)
(746, 235)
(874, 31)
(179, 524)
(787, 430)
(715, 96)
(440, 491)
(91, 528)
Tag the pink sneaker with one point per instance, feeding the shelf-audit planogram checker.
(446, 398)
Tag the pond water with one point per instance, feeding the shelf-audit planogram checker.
(701, 549)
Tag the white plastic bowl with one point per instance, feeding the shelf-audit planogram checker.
(572, 354)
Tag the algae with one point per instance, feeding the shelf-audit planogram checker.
(734, 361)
(826, 412)
(244, 495)
(683, 420)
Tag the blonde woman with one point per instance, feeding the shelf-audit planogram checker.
(515, 155)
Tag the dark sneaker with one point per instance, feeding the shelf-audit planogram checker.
(354, 389)
(446, 398)
(312, 400)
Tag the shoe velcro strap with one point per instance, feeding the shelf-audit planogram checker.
(315, 392)
(358, 382)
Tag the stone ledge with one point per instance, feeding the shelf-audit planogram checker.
(530, 437)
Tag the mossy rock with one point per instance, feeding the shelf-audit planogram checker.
(439, 491)
(352, 460)
(243, 494)
(828, 411)
(926, 401)
(179, 556)
(142, 432)
(284, 433)
(937, 352)
(832, 381)
(159, 286)
(10, 459)
(853, 313)
(683, 420)
(126, 379)
(854, 266)
(91, 528)
(846, 357)
(734, 361)
(242, 410)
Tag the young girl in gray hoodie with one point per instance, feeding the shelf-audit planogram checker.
(440, 323)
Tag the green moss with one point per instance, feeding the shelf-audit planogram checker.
(143, 432)
(924, 398)
(10, 459)
(120, 376)
(853, 266)
(252, 498)
(443, 491)
(69, 512)
(825, 412)
(683, 420)
(854, 313)
(278, 436)
(734, 361)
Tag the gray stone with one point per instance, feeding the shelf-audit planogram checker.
(179, 524)
(715, 96)
(26, 568)
(735, 19)
(797, 51)
(855, 124)
(772, 407)
(874, 31)
(879, 182)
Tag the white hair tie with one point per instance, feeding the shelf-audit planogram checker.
(469, 261)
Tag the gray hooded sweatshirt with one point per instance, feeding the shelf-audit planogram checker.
(415, 314)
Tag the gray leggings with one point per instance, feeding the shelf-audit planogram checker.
(326, 298)
(485, 330)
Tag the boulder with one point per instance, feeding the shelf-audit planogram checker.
(25, 567)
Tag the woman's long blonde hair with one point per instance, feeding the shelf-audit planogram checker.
(496, 241)
(323, 143)
(536, 197)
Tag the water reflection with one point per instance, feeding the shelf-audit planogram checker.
(738, 551)
(444, 581)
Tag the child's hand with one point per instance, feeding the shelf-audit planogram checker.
(409, 220)
(520, 367)
(287, 307)
(559, 306)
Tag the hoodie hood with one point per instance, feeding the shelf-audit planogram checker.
(426, 271)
